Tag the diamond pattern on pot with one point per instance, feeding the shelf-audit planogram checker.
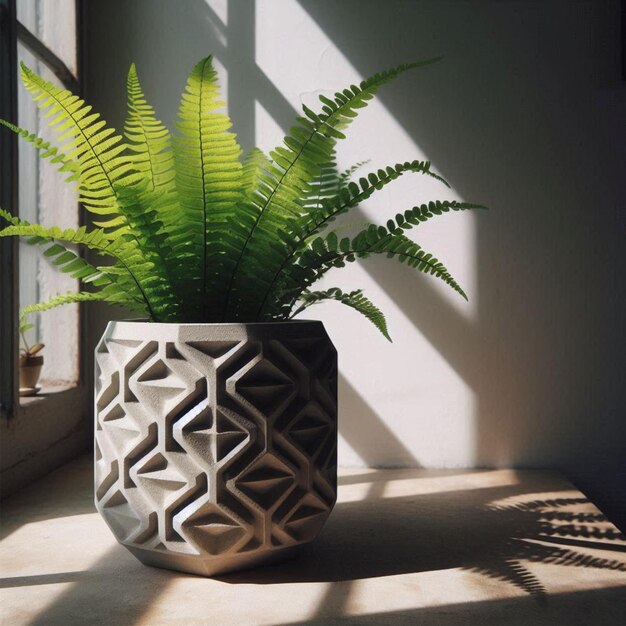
(310, 429)
(267, 481)
(215, 449)
(213, 530)
(265, 387)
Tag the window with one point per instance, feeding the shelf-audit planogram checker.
(43, 196)
(43, 34)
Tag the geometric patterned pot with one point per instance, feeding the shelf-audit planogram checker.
(215, 444)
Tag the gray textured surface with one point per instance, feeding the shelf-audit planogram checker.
(453, 547)
(216, 445)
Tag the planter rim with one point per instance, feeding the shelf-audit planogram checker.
(215, 331)
(31, 361)
(220, 324)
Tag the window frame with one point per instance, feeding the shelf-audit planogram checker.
(63, 399)
(9, 392)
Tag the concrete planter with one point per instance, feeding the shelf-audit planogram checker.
(216, 444)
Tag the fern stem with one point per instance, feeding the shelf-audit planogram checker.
(204, 233)
(301, 308)
(143, 293)
(150, 157)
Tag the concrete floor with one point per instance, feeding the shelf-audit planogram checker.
(401, 547)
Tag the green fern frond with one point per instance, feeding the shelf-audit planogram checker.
(255, 164)
(343, 108)
(208, 177)
(67, 261)
(70, 298)
(354, 299)
(96, 239)
(152, 207)
(327, 252)
(125, 251)
(142, 209)
(280, 202)
(355, 193)
(116, 283)
(327, 211)
(415, 216)
(394, 230)
(196, 235)
(46, 150)
(98, 152)
(148, 138)
(424, 212)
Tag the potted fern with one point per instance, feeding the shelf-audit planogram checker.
(216, 422)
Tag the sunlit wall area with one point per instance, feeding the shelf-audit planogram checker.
(525, 114)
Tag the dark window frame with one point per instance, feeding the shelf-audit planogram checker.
(9, 399)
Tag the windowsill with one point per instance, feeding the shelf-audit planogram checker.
(402, 546)
(48, 390)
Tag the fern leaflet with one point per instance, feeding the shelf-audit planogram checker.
(354, 299)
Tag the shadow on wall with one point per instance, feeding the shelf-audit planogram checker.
(531, 131)
(205, 32)
(367, 434)
(536, 133)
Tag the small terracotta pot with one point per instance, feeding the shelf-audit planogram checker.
(30, 369)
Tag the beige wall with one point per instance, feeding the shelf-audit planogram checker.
(525, 114)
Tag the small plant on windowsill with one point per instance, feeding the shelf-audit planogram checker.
(219, 254)
(30, 361)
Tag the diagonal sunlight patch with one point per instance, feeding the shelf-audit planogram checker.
(417, 389)
(266, 125)
(90, 574)
(454, 596)
(25, 562)
(402, 483)
(218, 13)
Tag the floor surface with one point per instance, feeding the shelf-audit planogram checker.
(401, 547)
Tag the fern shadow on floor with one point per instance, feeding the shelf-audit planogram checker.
(469, 529)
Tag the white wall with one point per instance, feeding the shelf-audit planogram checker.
(526, 115)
